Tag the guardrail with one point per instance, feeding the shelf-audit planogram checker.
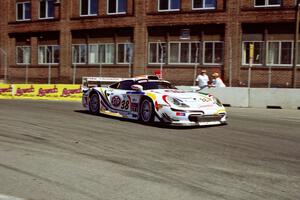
(255, 97)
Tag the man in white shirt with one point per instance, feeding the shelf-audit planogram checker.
(217, 81)
(202, 79)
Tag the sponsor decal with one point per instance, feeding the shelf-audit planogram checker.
(205, 99)
(116, 101)
(134, 100)
(23, 91)
(68, 92)
(5, 90)
(180, 114)
(42, 92)
(134, 107)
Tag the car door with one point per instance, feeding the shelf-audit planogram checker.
(118, 97)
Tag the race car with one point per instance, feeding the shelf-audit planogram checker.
(150, 99)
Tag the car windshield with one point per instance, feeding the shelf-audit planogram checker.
(156, 85)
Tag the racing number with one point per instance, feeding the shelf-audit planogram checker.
(125, 105)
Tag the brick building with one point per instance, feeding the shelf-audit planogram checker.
(131, 37)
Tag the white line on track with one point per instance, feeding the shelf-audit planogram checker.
(5, 197)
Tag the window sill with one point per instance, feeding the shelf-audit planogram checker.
(210, 8)
(101, 16)
(33, 21)
(98, 65)
(33, 66)
(266, 67)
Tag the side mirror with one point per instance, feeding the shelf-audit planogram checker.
(84, 89)
(137, 87)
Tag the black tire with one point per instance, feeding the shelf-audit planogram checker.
(146, 113)
(94, 103)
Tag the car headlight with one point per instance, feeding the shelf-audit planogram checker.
(217, 101)
(175, 101)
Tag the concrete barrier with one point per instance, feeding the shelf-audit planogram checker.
(274, 98)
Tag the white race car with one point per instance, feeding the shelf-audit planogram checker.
(150, 99)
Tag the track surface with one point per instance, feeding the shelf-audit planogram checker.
(56, 151)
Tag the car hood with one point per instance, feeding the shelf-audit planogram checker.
(193, 99)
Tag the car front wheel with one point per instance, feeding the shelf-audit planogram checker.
(146, 111)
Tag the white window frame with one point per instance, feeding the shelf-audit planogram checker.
(79, 54)
(244, 55)
(117, 8)
(279, 53)
(107, 60)
(213, 58)
(46, 11)
(24, 56)
(203, 6)
(125, 53)
(89, 9)
(267, 4)
(169, 6)
(179, 52)
(23, 5)
(52, 54)
(157, 53)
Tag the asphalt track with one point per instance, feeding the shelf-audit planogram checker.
(56, 151)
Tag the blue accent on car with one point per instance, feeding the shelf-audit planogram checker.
(135, 92)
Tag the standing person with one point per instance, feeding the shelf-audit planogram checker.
(202, 79)
(217, 81)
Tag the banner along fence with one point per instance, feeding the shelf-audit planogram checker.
(41, 91)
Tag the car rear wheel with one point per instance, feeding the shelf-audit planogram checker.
(94, 104)
(146, 111)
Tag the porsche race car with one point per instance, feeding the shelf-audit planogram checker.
(150, 99)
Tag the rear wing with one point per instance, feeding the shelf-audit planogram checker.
(89, 82)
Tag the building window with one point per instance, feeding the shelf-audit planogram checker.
(267, 3)
(204, 4)
(88, 7)
(213, 53)
(79, 54)
(101, 53)
(258, 52)
(48, 54)
(23, 54)
(125, 53)
(117, 6)
(23, 11)
(183, 52)
(46, 9)
(279, 52)
(157, 52)
(168, 5)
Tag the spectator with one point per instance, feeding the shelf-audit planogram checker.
(217, 81)
(202, 79)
